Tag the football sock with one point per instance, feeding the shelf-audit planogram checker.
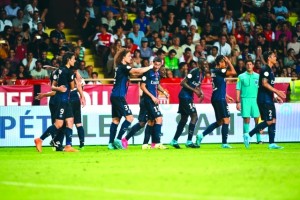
(51, 130)
(245, 128)
(60, 136)
(133, 130)
(157, 132)
(210, 128)
(148, 130)
(191, 131)
(271, 131)
(180, 128)
(257, 128)
(123, 129)
(69, 133)
(112, 132)
(80, 132)
(224, 133)
(258, 138)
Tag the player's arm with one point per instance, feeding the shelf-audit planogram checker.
(266, 85)
(238, 99)
(80, 90)
(42, 95)
(197, 91)
(160, 88)
(61, 88)
(139, 71)
(229, 98)
(146, 91)
(231, 71)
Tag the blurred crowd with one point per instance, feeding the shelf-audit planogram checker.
(184, 33)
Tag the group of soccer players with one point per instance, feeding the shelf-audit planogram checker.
(255, 99)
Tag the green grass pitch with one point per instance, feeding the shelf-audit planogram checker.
(208, 173)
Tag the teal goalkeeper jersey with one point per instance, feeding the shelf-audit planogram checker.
(248, 84)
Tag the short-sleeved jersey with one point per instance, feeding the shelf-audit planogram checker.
(264, 95)
(121, 79)
(219, 84)
(193, 80)
(248, 84)
(151, 79)
(64, 76)
(53, 99)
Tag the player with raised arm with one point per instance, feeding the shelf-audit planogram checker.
(246, 94)
(190, 85)
(265, 100)
(218, 99)
(120, 107)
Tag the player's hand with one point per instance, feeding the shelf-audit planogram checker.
(281, 94)
(62, 88)
(39, 96)
(82, 101)
(279, 100)
(155, 100)
(166, 94)
(238, 106)
(229, 99)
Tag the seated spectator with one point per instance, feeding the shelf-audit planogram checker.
(233, 43)
(228, 20)
(108, 6)
(269, 33)
(87, 28)
(223, 47)
(4, 49)
(170, 23)
(22, 73)
(155, 23)
(195, 35)
(14, 62)
(171, 62)
(183, 70)
(4, 20)
(281, 12)
(284, 28)
(187, 57)
(143, 22)
(267, 13)
(239, 32)
(5, 77)
(109, 20)
(119, 35)
(40, 32)
(96, 81)
(30, 8)
(247, 23)
(58, 33)
(208, 34)
(136, 35)
(146, 52)
(137, 59)
(189, 44)
(294, 44)
(33, 23)
(169, 73)
(199, 53)
(125, 23)
(211, 58)
(290, 60)
(20, 48)
(261, 41)
(38, 72)
(92, 9)
(12, 9)
(159, 46)
(207, 78)
(189, 21)
(82, 70)
(240, 67)
(130, 45)
(29, 61)
(18, 21)
(26, 34)
(176, 46)
(257, 66)
(246, 55)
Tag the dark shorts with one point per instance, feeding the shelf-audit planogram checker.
(152, 109)
(143, 115)
(186, 107)
(53, 108)
(119, 107)
(267, 111)
(221, 109)
(76, 107)
(64, 111)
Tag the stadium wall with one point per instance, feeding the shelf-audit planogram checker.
(19, 125)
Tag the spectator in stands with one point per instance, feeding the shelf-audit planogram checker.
(233, 43)
(257, 66)
(155, 23)
(44, 59)
(169, 73)
(20, 48)
(40, 32)
(12, 8)
(4, 20)
(93, 10)
(195, 35)
(117, 46)
(187, 57)
(209, 34)
(109, 20)
(223, 47)
(297, 31)
(194, 9)
(176, 46)
(172, 63)
(281, 12)
(82, 70)
(247, 23)
(211, 58)
(38, 72)
(199, 53)
(234, 57)
(146, 52)
(136, 59)
(18, 21)
(247, 43)
(170, 24)
(96, 81)
(125, 23)
(5, 77)
(26, 33)
(267, 13)
(182, 34)
(189, 44)
(159, 46)
(240, 67)
(183, 70)
(87, 28)
(161, 54)
(295, 44)
(130, 45)
(281, 46)
(29, 61)
(4, 49)
(164, 10)
(189, 21)
(216, 10)
(22, 73)
(290, 60)
(284, 28)
(246, 55)
(143, 22)
(58, 33)
(108, 6)
(30, 8)
(228, 19)
(33, 23)
(137, 34)
(239, 32)
(259, 54)
(261, 41)
(14, 62)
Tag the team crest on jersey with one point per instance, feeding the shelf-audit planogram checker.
(256, 82)
(54, 76)
(72, 77)
(266, 74)
(223, 70)
(128, 67)
(144, 78)
(189, 76)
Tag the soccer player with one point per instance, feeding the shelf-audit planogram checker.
(119, 105)
(265, 101)
(246, 94)
(150, 86)
(218, 99)
(190, 85)
(62, 84)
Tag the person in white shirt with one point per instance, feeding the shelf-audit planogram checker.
(38, 72)
(4, 21)
(96, 81)
(12, 8)
(223, 47)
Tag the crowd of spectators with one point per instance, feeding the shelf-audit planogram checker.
(184, 33)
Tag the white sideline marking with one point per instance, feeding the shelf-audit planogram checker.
(126, 192)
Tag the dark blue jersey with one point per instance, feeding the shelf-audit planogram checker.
(74, 93)
(121, 79)
(264, 95)
(64, 76)
(53, 99)
(193, 79)
(151, 79)
(219, 84)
